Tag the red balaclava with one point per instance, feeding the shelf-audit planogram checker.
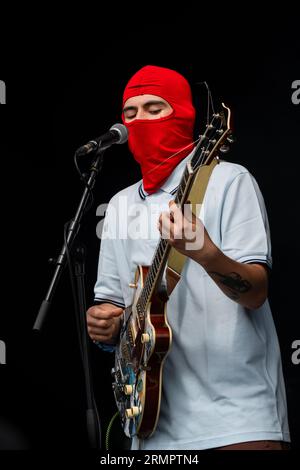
(152, 141)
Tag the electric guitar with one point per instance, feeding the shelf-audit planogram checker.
(145, 335)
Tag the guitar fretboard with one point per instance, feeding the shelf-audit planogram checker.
(203, 154)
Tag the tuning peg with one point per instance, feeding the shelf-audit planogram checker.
(230, 139)
(224, 148)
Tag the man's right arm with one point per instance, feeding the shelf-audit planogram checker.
(104, 322)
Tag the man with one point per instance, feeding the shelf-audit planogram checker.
(222, 380)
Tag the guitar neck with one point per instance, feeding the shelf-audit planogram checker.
(163, 248)
(205, 151)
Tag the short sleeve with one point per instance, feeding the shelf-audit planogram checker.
(245, 234)
(108, 285)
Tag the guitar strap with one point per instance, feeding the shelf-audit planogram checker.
(176, 260)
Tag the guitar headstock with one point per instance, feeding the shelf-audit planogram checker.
(217, 138)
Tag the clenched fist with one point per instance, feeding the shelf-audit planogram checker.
(103, 322)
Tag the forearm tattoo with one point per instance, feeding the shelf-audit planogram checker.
(234, 284)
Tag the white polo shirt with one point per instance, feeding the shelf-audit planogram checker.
(222, 380)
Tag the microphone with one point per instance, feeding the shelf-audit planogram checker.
(117, 134)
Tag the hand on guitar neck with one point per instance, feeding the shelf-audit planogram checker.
(246, 284)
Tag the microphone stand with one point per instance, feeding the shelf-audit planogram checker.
(92, 419)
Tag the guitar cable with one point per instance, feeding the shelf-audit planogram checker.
(107, 435)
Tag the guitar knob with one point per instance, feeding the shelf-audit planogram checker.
(132, 412)
(145, 338)
(128, 389)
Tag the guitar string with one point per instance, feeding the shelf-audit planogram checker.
(151, 276)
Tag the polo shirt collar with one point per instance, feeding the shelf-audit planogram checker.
(171, 184)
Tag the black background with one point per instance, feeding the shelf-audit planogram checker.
(64, 85)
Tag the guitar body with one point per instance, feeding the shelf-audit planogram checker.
(145, 340)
